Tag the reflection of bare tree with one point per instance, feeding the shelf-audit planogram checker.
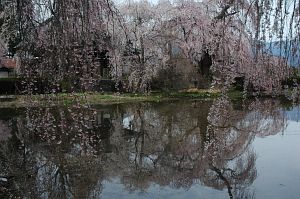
(68, 152)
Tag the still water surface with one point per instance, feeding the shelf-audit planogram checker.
(182, 149)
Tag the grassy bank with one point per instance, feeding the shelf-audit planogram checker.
(61, 99)
(103, 98)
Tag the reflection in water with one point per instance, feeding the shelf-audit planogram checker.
(4, 131)
(231, 158)
(69, 152)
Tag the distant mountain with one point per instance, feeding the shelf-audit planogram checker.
(287, 49)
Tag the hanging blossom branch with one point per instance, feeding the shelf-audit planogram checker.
(227, 36)
(65, 38)
(70, 38)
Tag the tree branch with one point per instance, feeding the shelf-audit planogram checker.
(223, 12)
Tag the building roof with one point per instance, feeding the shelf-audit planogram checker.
(8, 63)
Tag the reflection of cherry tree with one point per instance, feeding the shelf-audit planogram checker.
(54, 147)
(68, 152)
(182, 154)
(269, 119)
(77, 137)
(231, 157)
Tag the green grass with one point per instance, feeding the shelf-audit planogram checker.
(236, 94)
(111, 98)
(102, 98)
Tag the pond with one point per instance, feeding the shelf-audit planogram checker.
(176, 149)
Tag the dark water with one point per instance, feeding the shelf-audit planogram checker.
(184, 149)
